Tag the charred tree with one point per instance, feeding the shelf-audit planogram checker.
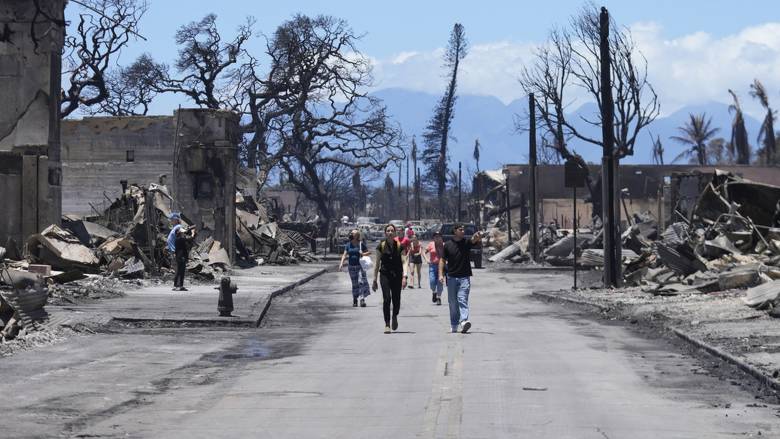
(766, 136)
(739, 145)
(437, 133)
(92, 46)
(571, 59)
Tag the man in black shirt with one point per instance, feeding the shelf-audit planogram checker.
(456, 255)
(183, 243)
(390, 271)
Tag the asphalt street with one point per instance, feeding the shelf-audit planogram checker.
(319, 368)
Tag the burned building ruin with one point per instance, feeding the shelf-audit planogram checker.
(30, 174)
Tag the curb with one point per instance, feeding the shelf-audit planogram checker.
(235, 322)
(762, 377)
(226, 322)
(549, 296)
(287, 288)
(712, 350)
(521, 269)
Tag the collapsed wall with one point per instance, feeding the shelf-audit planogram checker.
(204, 171)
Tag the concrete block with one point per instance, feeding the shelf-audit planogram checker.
(43, 270)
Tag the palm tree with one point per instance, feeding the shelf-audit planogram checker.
(658, 150)
(767, 132)
(695, 134)
(719, 152)
(739, 139)
(476, 153)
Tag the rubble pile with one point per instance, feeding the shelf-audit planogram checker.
(728, 239)
(87, 259)
(262, 240)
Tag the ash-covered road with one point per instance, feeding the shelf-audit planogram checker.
(319, 368)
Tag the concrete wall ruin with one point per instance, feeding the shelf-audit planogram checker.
(204, 171)
(199, 164)
(99, 152)
(30, 64)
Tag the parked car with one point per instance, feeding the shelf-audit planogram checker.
(433, 229)
(367, 220)
(421, 232)
(447, 233)
(399, 224)
(377, 232)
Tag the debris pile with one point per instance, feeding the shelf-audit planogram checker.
(728, 237)
(21, 305)
(127, 241)
(261, 240)
(728, 241)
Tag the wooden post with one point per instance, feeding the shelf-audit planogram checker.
(533, 225)
(508, 208)
(407, 189)
(459, 191)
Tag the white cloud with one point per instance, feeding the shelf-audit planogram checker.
(489, 69)
(689, 69)
(698, 67)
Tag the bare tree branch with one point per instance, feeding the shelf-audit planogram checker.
(104, 28)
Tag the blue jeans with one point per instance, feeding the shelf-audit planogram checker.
(458, 289)
(433, 279)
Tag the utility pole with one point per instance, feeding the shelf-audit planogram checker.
(418, 202)
(407, 189)
(533, 226)
(459, 191)
(475, 200)
(508, 207)
(400, 167)
(610, 214)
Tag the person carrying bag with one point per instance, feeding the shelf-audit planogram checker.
(354, 251)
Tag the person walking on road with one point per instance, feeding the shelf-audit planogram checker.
(457, 258)
(390, 272)
(415, 261)
(353, 250)
(432, 254)
(405, 241)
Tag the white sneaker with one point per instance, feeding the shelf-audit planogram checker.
(465, 326)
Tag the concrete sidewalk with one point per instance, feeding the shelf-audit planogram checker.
(720, 323)
(256, 288)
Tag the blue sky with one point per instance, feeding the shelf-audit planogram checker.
(405, 25)
(696, 49)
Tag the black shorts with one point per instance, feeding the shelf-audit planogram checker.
(416, 259)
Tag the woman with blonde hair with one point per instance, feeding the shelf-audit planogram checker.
(353, 250)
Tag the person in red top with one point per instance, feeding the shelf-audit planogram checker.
(432, 254)
(405, 242)
(415, 261)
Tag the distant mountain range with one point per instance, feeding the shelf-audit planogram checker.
(490, 120)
